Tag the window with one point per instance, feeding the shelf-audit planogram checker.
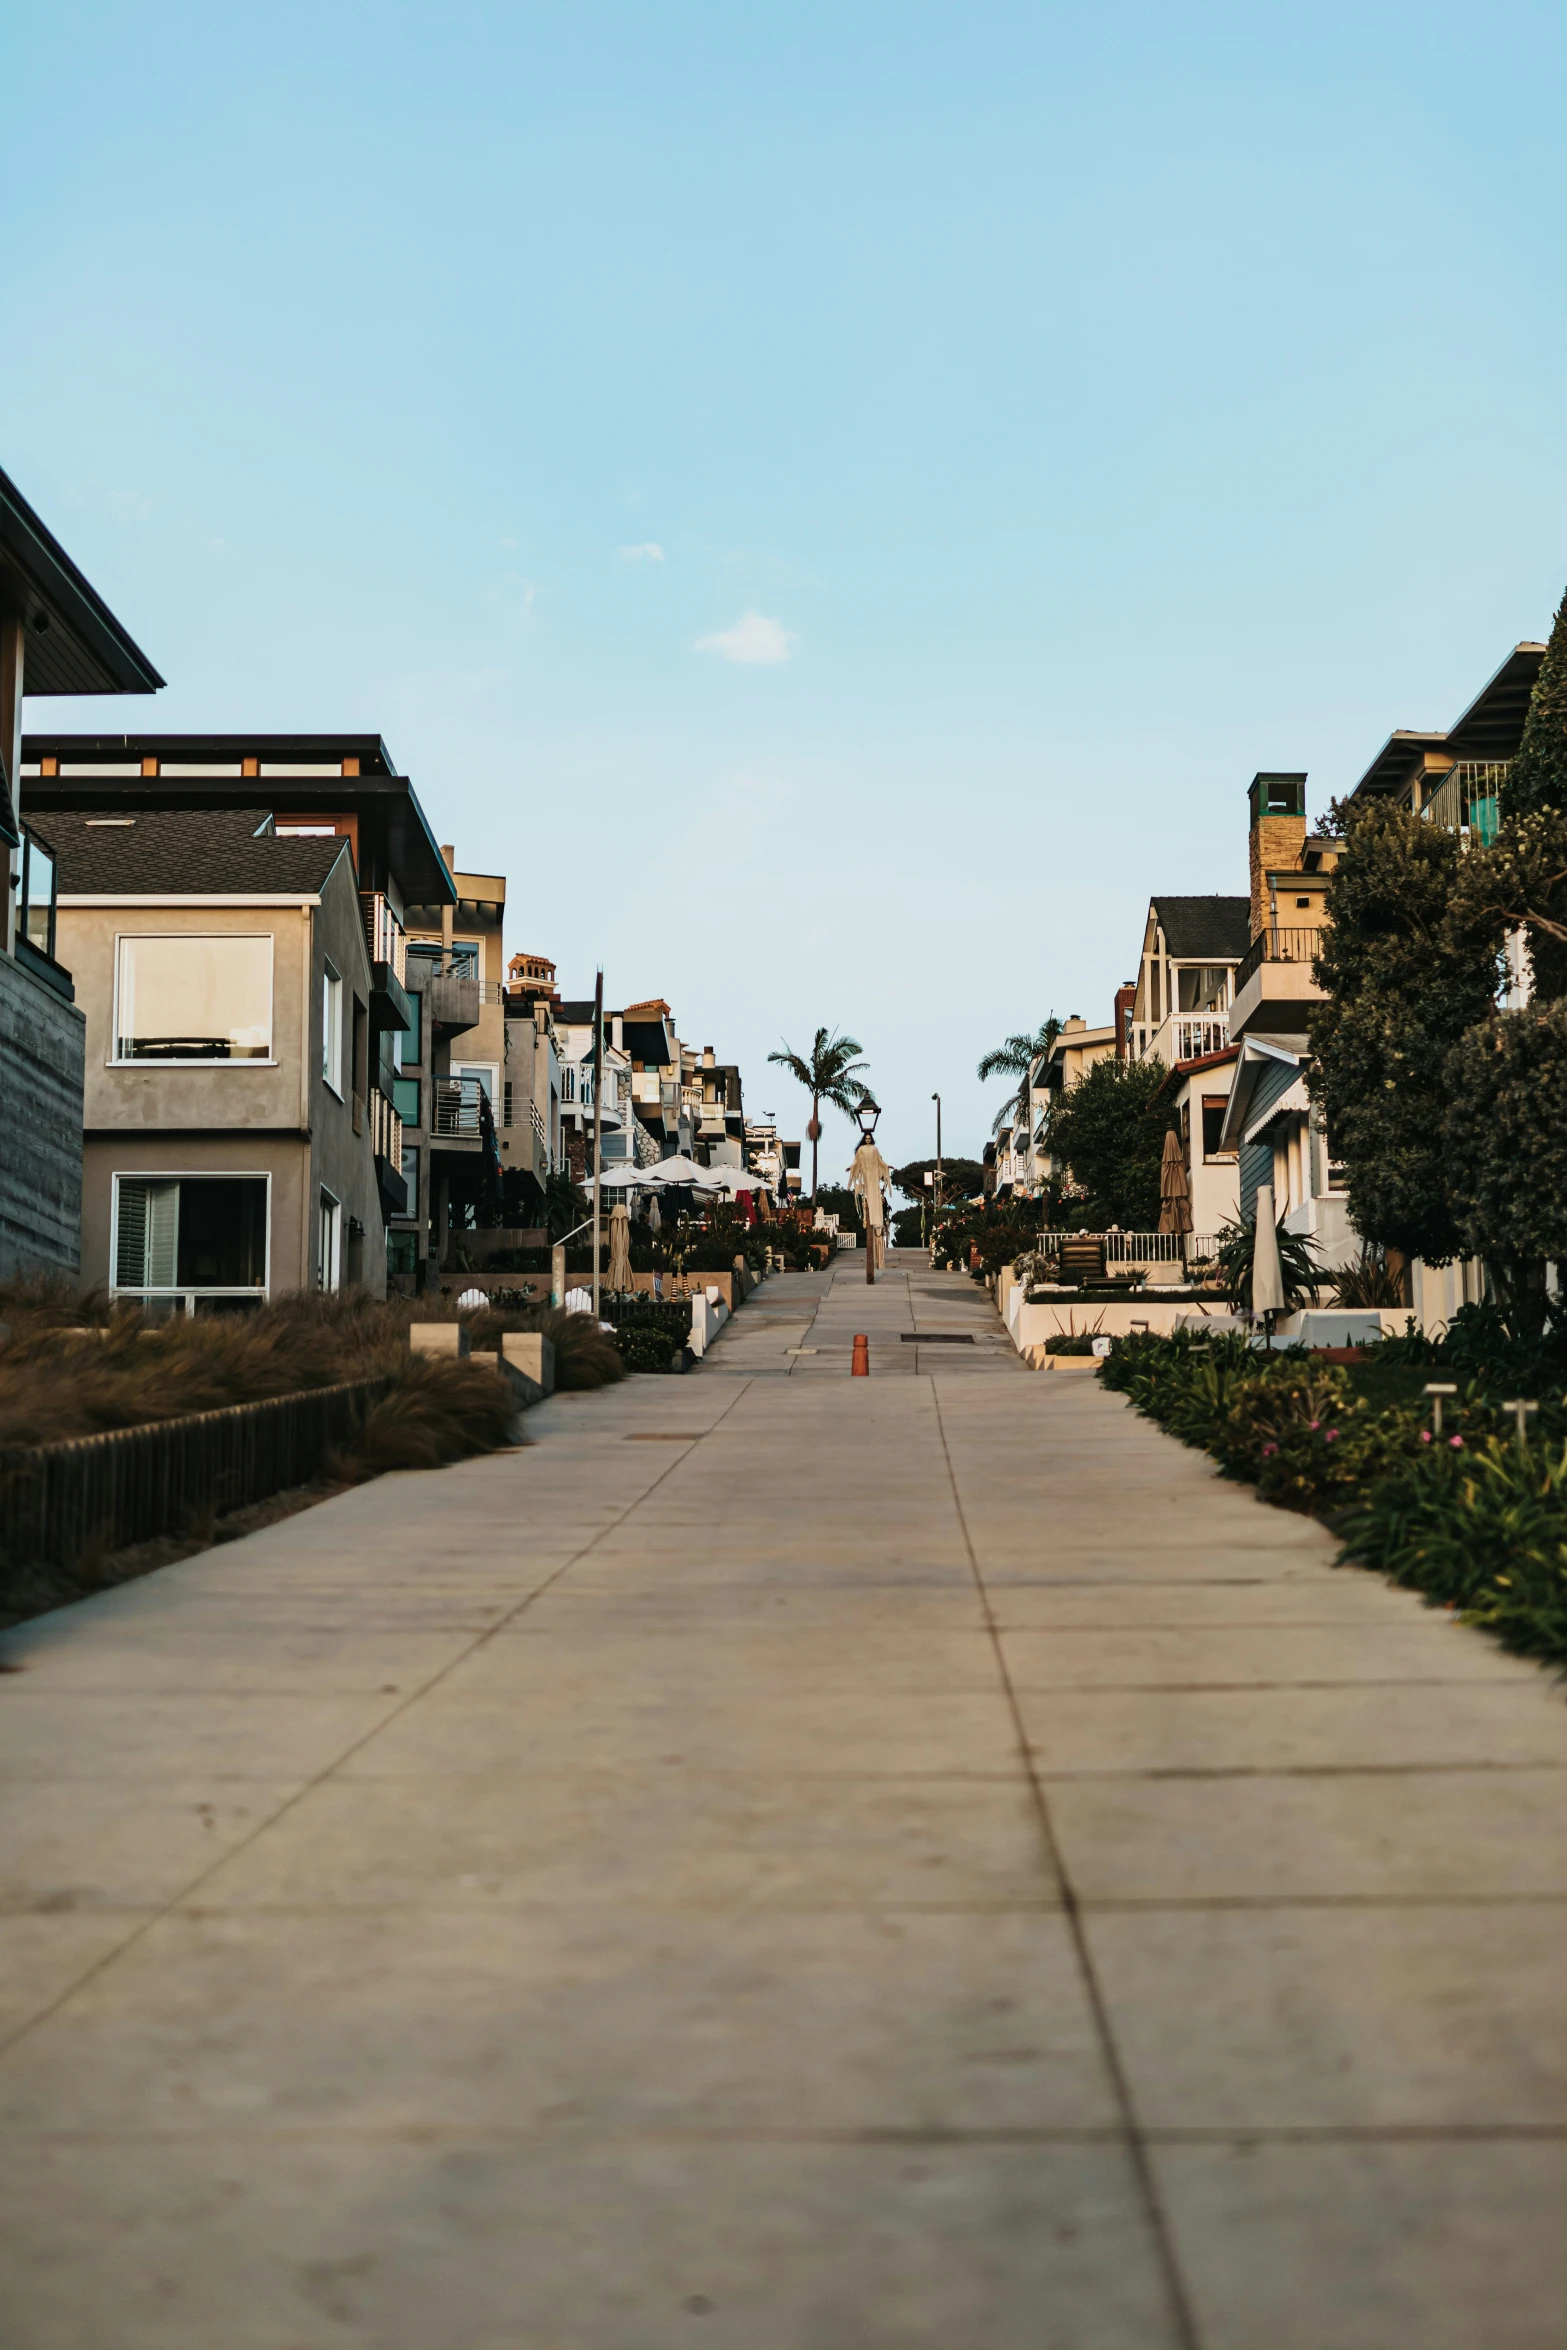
(332, 1030)
(194, 999)
(568, 1083)
(402, 1255)
(405, 1099)
(1214, 1106)
(198, 1233)
(407, 1043)
(329, 1232)
(411, 1177)
(487, 1072)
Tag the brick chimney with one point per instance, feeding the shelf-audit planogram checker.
(1278, 836)
(1125, 998)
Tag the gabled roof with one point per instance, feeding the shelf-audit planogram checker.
(183, 852)
(1210, 930)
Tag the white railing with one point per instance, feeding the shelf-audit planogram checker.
(384, 934)
(1194, 1035)
(459, 1107)
(1139, 1248)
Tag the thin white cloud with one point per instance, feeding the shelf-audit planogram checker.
(754, 639)
(648, 552)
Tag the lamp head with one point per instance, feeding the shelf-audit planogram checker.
(867, 1111)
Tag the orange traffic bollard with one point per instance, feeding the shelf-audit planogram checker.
(861, 1367)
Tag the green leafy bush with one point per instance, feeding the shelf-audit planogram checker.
(645, 1347)
(1483, 1528)
(1469, 1517)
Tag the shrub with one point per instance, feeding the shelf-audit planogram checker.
(1483, 1529)
(585, 1355)
(645, 1347)
(1470, 1518)
(439, 1409)
(1303, 1276)
(1369, 1281)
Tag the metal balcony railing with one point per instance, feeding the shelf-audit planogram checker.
(1466, 798)
(460, 1107)
(1276, 945)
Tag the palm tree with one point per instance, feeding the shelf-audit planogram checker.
(828, 1075)
(1015, 1058)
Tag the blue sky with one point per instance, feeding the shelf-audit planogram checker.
(836, 501)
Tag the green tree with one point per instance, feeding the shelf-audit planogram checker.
(1110, 1132)
(1505, 1132)
(828, 1074)
(1519, 882)
(1537, 777)
(1408, 972)
(960, 1178)
(1014, 1058)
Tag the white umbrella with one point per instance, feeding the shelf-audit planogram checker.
(679, 1170)
(735, 1179)
(622, 1178)
(1267, 1274)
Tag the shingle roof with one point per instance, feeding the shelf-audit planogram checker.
(182, 852)
(1218, 929)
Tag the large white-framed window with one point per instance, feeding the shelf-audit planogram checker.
(189, 1240)
(332, 1028)
(329, 1241)
(192, 997)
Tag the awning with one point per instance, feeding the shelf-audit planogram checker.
(1295, 1100)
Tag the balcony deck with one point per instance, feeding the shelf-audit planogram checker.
(1276, 984)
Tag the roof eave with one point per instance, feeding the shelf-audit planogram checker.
(53, 591)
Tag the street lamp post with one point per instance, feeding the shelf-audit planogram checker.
(867, 1111)
(935, 1206)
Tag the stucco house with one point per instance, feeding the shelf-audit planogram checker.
(225, 979)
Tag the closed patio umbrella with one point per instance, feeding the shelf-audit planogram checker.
(620, 1247)
(1175, 1193)
(1267, 1274)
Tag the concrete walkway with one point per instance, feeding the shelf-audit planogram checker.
(789, 1863)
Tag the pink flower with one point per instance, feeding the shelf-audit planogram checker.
(1315, 1425)
(1267, 1449)
(1457, 1443)
(1425, 1435)
(1331, 1436)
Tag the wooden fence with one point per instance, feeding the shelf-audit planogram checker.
(169, 1476)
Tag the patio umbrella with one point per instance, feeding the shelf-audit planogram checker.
(620, 1247)
(622, 1178)
(1175, 1193)
(679, 1170)
(655, 1222)
(735, 1179)
(1267, 1274)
